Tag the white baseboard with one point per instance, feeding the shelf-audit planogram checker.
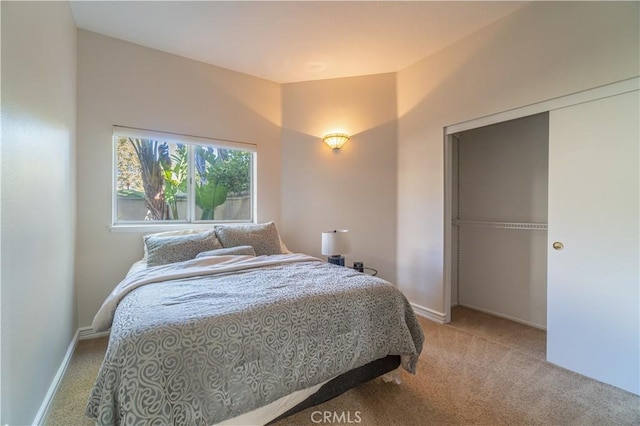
(57, 379)
(83, 333)
(430, 314)
(499, 315)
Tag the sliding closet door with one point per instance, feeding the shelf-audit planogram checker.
(593, 322)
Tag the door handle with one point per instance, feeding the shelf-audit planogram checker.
(558, 245)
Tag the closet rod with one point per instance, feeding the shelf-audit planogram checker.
(501, 225)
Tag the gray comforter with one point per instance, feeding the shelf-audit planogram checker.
(201, 349)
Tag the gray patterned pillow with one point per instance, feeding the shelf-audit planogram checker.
(170, 249)
(263, 237)
(240, 250)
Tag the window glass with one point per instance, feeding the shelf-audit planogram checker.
(159, 180)
(223, 178)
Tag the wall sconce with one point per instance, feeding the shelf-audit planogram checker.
(336, 140)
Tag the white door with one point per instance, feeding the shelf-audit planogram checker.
(593, 298)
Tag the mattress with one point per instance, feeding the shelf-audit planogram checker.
(208, 340)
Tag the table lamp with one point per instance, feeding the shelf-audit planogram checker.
(335, 244)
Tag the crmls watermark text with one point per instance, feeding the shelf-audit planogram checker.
(336, 417)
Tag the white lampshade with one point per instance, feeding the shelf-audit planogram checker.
(336, 242)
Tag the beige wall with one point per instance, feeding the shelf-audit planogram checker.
(353, 188)
(385, 185)
(121, 83)
(38, 201)
(542, 51)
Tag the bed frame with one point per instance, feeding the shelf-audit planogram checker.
(344, 382)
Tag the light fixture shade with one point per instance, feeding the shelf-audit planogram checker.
(336, 242)
(336, 140)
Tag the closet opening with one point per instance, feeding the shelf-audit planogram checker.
(496, 190)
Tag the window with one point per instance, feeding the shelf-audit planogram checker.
(162, 178)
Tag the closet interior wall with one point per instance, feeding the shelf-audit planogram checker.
(500, 202)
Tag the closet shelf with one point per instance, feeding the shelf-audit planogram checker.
(501, 225)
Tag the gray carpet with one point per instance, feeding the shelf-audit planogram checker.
(478, 370)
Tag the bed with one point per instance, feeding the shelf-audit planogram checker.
(228, 338)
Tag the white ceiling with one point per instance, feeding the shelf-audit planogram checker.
(293, 41)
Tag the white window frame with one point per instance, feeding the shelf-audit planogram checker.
(191, 223)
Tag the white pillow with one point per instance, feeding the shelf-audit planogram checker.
(283, 247)
(239, 250)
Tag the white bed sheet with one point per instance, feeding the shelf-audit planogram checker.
(264, 415)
